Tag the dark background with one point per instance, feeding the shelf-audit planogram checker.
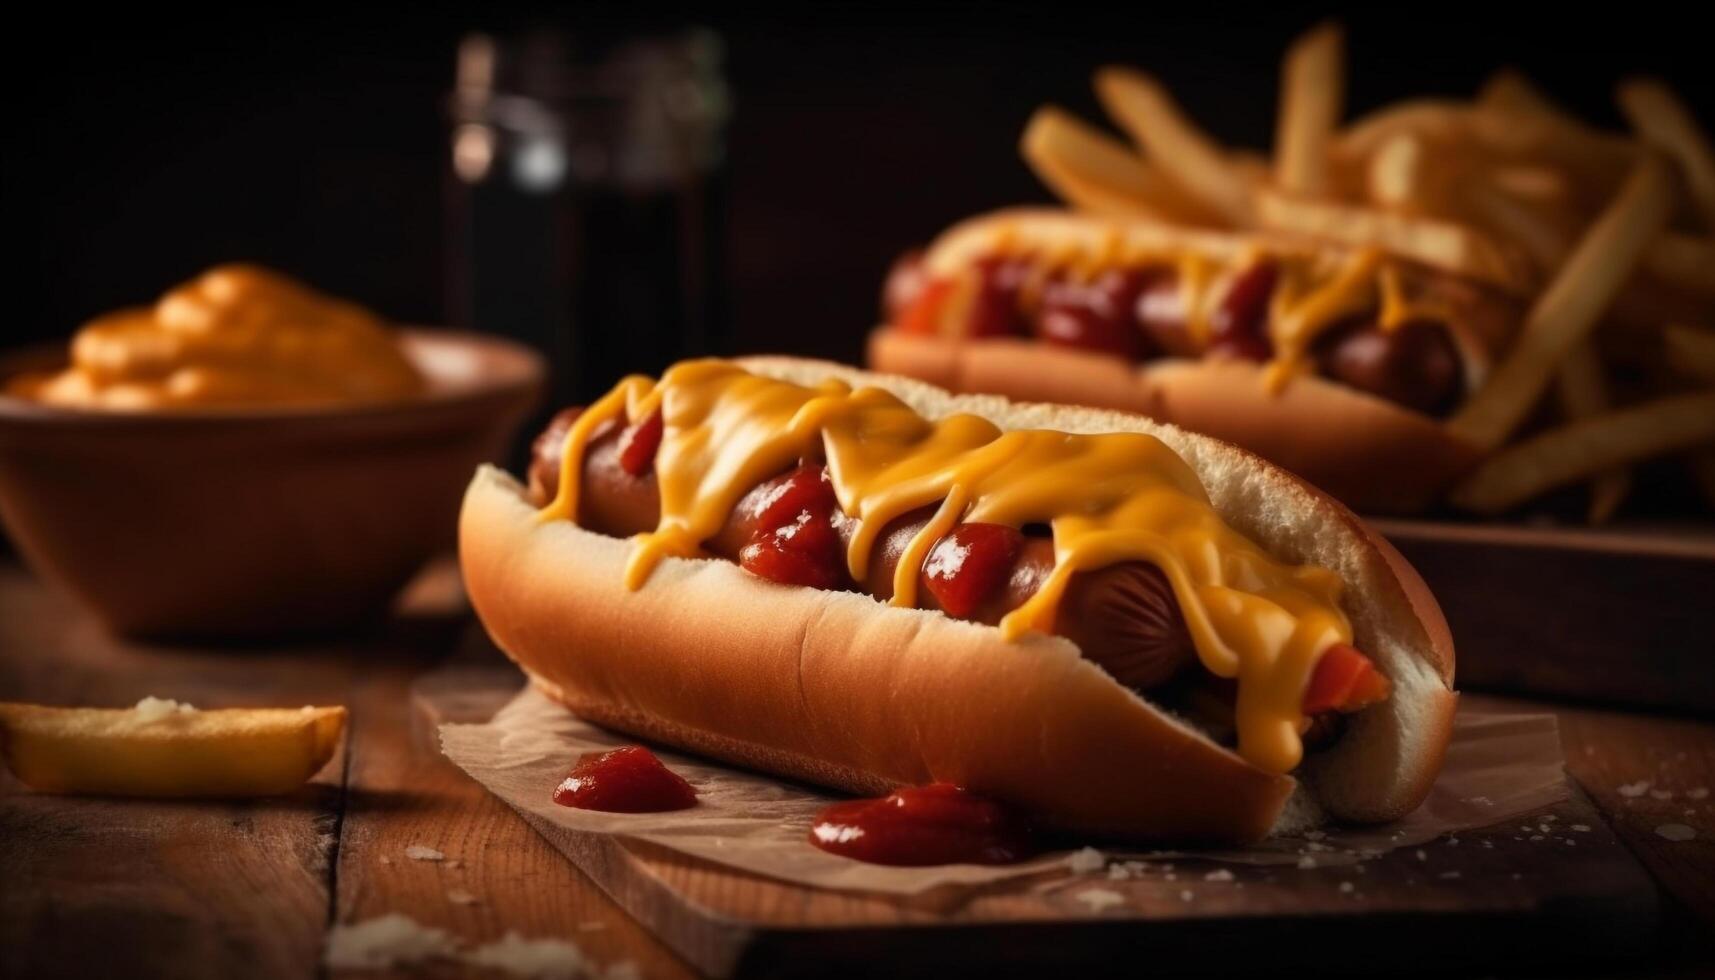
(316, 140)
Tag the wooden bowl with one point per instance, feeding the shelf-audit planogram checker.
(255, 522)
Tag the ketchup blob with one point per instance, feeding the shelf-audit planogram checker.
(917, 826)
(638, 443)
(968, 564)
(1097, 315)
(793, 540)
(1238, 327)
(779, 501)
(994, 310)
(625, 780)
(805, 551)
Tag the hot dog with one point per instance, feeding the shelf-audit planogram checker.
(1262, 340)
(966, 648)
(1122, 617)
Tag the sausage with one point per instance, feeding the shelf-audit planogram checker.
(1415, 365)
(1123, 617)
(1161, 315)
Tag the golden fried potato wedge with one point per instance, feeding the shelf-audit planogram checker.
(163, 749)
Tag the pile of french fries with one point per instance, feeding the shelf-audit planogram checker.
(1607, 239)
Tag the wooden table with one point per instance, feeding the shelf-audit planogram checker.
(97, 886)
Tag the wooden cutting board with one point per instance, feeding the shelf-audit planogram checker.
(1565, 895)
(1621, 615)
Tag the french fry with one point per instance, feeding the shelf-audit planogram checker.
(1665, 123)
(1094, 172)
(1582, 449)
(1538, 234)
(1569, 308)
(1397, 172)
(1584, 394)
(1685, 261)
(1510, 90)
(1531, 182)
(1442, 244)
(1435, 118)
(233, 752)
(1515, 117)
(1190, 159)
(1312, 92)
(1690, 351)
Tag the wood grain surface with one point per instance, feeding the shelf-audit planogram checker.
(188, 889)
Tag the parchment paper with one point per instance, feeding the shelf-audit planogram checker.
(1499, 766)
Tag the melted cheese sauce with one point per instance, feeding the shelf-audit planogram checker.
(1107, 498)
(236, 335)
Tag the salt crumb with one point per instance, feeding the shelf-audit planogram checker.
(1422, 855)
(1170, 876)
(1690, 811)
(1307, 862)
(418, 852)
(386, 860)
(1347, 887)
(1220, 875)
(1571, 843)
(1185, 895)
(1099, 898)
(1488, 844)
(1536, 837)
(458, 896)
(623, 970)
(1661, 794)
(1449, 875)
(1582, 828)
(385, 941)
(1314, 835)
(1085, 860)
(1634, 790)
(538, 959)
(455, 864)
(1676, 832)
(1700, 793)
(1118, 872)
(152, 709)
(1481, 801)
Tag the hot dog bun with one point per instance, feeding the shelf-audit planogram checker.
(837, 689)
(1371, 453)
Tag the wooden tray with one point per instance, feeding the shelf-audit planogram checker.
(1622, 616)
(1571, 902)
